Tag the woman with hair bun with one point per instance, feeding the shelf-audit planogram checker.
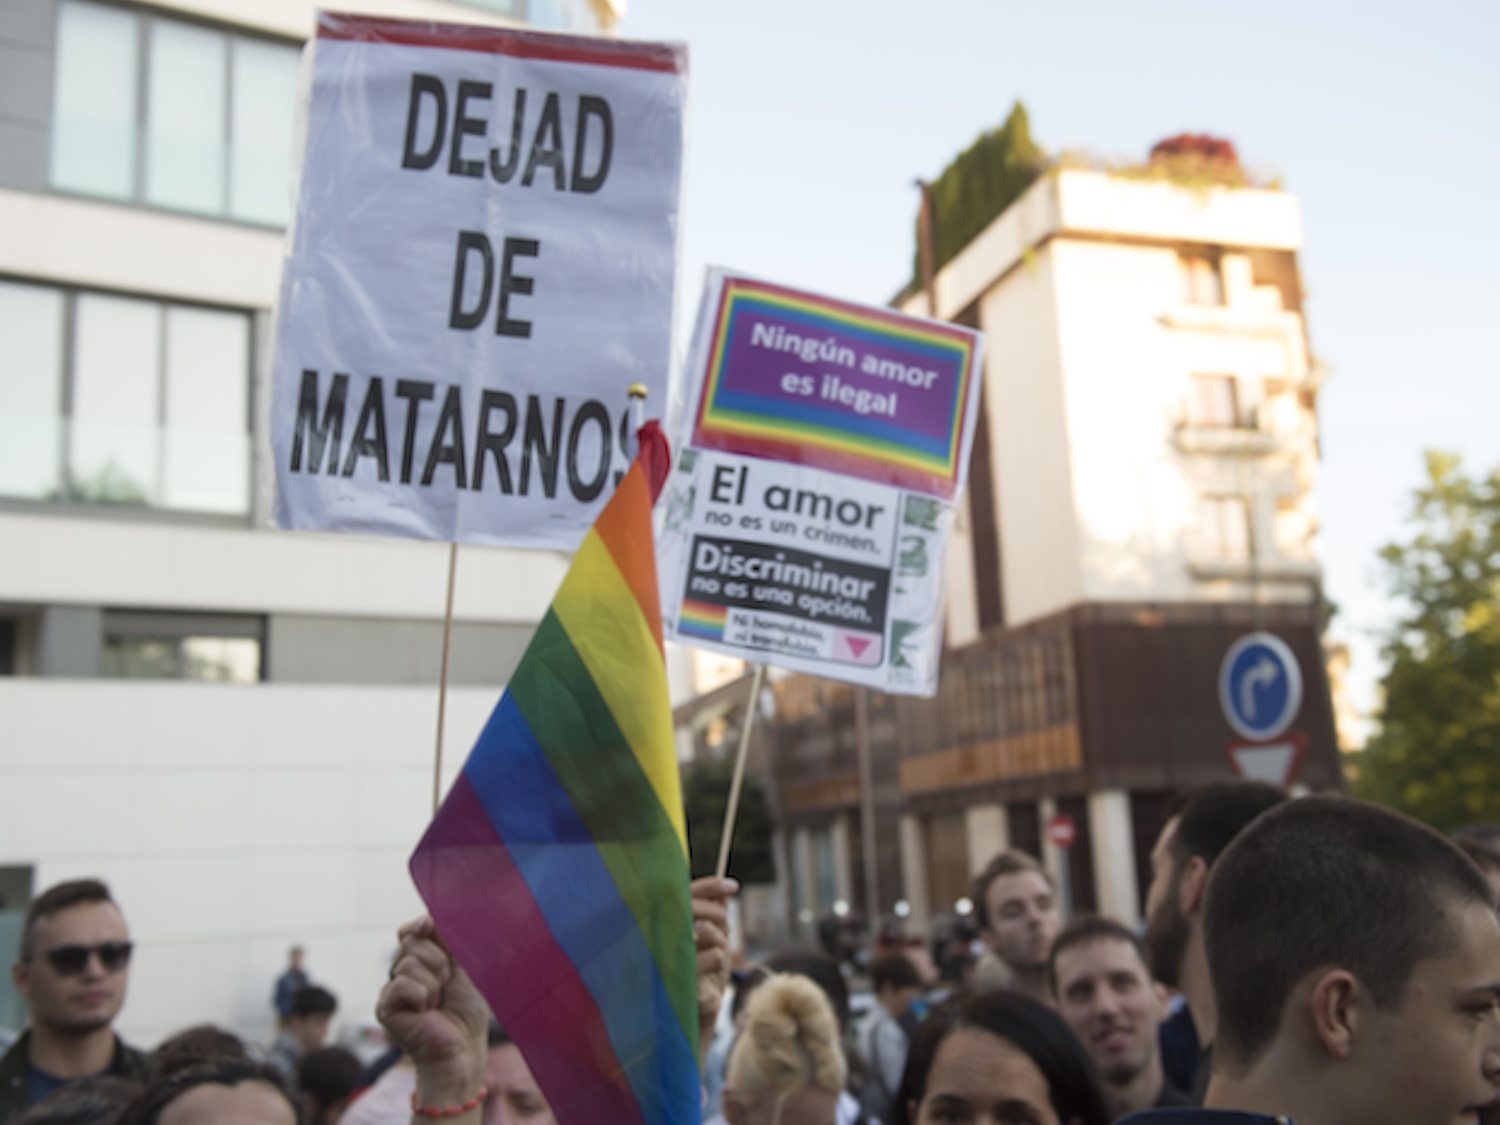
(786, 1067)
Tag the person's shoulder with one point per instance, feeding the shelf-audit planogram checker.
(14, 1054)
(1172, 1096)
(133, 1063)
(13, 1094)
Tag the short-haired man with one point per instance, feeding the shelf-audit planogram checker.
(1200, 825)
(1106, 995)
(72, 970)
(883, 1037)
(1355, 962)
(306, 1028)
(1018, 919)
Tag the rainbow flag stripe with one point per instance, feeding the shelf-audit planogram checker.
(761, 422)
(557, 867)
(702, 619)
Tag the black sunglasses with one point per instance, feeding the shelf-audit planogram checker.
(70, 960)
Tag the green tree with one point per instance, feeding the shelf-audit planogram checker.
(980, 183)
(706, 795)
(1437, 753)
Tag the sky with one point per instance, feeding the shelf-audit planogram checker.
(810, 120)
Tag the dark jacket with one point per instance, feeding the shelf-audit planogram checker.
(15, 1094)
(1195, 1116)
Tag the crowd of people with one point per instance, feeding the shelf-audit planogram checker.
(1320, 961)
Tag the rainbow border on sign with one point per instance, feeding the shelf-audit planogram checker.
(841, 447)
(702, 619)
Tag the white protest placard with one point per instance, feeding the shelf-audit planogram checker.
(806, 522)
(482, 262)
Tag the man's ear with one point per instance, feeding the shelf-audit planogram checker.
(1192, 884)
(20, 976)
(1335, 1008)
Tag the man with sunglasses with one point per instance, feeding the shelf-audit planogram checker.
(72, 969)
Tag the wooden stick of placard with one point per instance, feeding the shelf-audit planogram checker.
(752, 705)
(437, 756)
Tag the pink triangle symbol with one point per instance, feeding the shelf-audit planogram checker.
(857, 645)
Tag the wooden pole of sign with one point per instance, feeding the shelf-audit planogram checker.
(751, 707)
(866, 807)
(437, 756)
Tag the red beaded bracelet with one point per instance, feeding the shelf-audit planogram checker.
(438, 1112)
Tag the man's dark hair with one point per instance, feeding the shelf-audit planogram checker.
(165, 1089)
(199, 1044)
(745, 983)
(310, 1000)
(1010, 862)
(894, 970)
(1092, 927)
(56, 899)
(1073, 1084)
(327, 1077)
(1481, 843)
(1326, 881)
(98, 1100)
(1212, 815)
(823, 971)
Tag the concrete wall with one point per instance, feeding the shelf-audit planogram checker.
(242, 570)
(231, 822)
(1129, 349)
(333, 650)
(1030, 442)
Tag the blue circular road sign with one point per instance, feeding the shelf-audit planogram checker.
(1260, 686)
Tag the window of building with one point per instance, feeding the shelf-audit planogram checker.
(947, 860)
(171, 113)
(1214, 401)
(516, 9)
(31, 404)
(1202, 283)
(558, 15)
(120, 400)
(825, 875)
(1224, 528)
(16, 884)
(173, 646)
(1293, 528)
(7, 646)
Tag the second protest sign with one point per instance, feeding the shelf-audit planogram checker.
(807, 520)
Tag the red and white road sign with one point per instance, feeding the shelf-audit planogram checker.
(1061, 831)
(1276, 762)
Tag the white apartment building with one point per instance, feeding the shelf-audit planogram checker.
(1140, 494)
(1150, 414)
(231, 725)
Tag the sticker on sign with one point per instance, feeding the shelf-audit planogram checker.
(1273, 762)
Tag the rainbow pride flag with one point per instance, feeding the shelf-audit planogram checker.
(557, 867)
